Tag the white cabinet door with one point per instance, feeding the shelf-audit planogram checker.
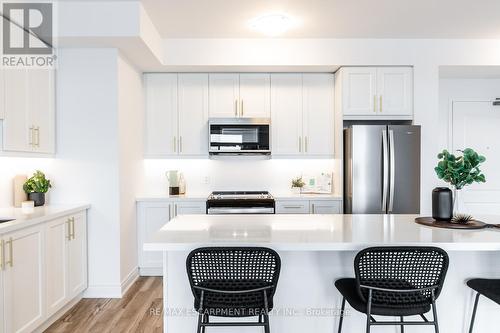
(292, 207)
(151, 217)
(193, 114)
(359, 91)
(41, 109)
(224, 92)
(395, 91)
(318, 114)
(255, 92)
(286, 114)
(2, 100)
(56, 254)
(23, 285)
(190, 207)
(18, 133)
(161, 114)
(326, 206)
(77, 255)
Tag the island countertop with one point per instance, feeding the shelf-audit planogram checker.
(317, 233)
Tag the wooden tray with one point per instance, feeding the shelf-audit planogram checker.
(473, 224)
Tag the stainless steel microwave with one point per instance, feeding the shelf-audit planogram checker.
(239, 136)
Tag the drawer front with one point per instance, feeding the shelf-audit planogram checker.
(326, 206)
(292, 207)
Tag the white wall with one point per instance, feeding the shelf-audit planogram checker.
(130, 136)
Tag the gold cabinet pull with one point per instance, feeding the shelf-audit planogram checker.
(72, 228)
(2, 259)
(380, 103)
(241, 108)
(68, 224)
(11, 254)
(375, 103)
(300, 144)
(236, 107)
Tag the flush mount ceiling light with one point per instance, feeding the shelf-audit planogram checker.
(272, 24)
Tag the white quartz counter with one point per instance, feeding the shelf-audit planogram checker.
(21, 219)
(316, 233)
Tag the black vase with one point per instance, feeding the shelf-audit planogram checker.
(37, 198)
(442, 204)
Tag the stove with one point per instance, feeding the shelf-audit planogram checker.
(240, 202)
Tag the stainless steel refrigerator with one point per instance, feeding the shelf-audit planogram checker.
(382, 169)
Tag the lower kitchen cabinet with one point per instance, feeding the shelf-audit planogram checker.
(326, 206)
(151, 216)
(308, 206)
(292, 207)
(44, 268)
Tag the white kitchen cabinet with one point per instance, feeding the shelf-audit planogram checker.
(193, 114)
(286, 115)
(292, 207)
(240, 95)
(326, 206)
(77, 254)
(255, 94)
(302, 108)
(376, 92)
(161, 114)
(224, 92)
(151, 216)
(29, 115)
(23, 279)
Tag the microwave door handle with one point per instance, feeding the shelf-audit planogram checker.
(392, 169)
(385, 165)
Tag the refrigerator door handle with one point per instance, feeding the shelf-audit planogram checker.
(392, 169)
(385, 161)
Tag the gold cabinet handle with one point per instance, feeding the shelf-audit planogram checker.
(72, 228)
(300, 144)
(175, 144)
(236, 107)
(2, 259)
(68, 224)
(241, 108)
(180, 144)
(375, 103)
(380, 103)
(11, 254)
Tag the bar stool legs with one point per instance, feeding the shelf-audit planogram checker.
(341, 315)
(474, 313)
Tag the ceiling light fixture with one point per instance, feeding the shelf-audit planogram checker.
(272, 24)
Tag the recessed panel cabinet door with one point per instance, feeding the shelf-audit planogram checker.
(318, 113)
(77, 255)
(57, 236)
(23, 285)
(190, 207)
(286, 105)
(224, 91)
(161, 114)
(359, 91)
(255, 92)
(41, 108)
(193, 114)
(395, 88)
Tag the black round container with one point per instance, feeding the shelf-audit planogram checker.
(442, 204)
(38, 198)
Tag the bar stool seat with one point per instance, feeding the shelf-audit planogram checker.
(489, 288)
(347, 287)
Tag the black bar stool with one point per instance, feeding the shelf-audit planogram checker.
(489, 288)
(395, 281)
(233, 282)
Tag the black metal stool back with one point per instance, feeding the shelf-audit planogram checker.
(401, 268)
(233, 282)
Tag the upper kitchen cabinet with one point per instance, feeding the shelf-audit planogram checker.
(376, 92)
(302, 108)
(29, 111)
(176, 115)
(239, 95)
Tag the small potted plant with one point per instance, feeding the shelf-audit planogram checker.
(297, 185)
(36, 187)
(460, 171)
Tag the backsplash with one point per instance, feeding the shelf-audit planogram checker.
(12, 166)
(203, 176)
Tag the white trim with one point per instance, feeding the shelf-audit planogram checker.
(129, 280)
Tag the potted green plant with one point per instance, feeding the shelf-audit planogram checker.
(36, 187)
(297, 185)
(460, 171)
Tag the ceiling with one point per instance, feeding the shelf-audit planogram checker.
(329, 18)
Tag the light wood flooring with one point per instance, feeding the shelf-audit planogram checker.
(140, 310)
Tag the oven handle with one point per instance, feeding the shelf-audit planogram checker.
(233, 210)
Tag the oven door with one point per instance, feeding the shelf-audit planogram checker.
(239, 136)
(240, 206)
(240, 210)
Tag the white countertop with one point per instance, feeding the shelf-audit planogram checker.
(316, 233)
(38, 215)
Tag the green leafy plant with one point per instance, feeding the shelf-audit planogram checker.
(38, 183)
(460, 171)
(298, 182)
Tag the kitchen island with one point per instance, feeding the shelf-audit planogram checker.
(315, 251)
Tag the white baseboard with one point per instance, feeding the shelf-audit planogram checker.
(112, 291)
(46, 324)
(151, 271)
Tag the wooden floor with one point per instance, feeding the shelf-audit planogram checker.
(140, 310)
